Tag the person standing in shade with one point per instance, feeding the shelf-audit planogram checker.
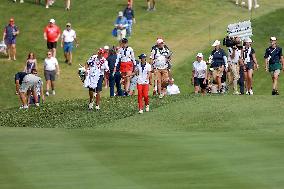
(51, 69)
(143, 71)
(121, 24)
(199, 74)
(250, 62)
(51, 35)
(67, 40)
(9, 37)
(274, 63)
(96, 67)
(129, 15)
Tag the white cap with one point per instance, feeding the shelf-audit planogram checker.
(160, 40)
(120, 13)
(199, 55)
(273, 38)
(217, 42)
(106, 47)
(52, 20)
(248, 40)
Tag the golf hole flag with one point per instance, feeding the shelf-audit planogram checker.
(241, 29)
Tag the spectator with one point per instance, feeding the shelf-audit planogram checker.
(249, 59)
(234, 56)
(127, 61)
(38, 90)
(129, 15)
(19, 80)
(256, 5)
(219, 62)
(121, 25)
(51, 69)
(51, 35)
(143, 71)
(160, 56)
(96, 67)
(29, 82)
(151, 4)
(172, 89)
(114, 73)
(31, 63)
(67, 40)
(199, 74)
(67, 4)
(9, 37)
(274, 62)
(130, 2)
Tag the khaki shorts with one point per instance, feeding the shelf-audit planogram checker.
(29, 83)
(162, 76)
(275, 72)
(217, 72)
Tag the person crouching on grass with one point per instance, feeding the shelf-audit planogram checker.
(143, 71)
(96, 67)
(199, 74)
(274, 63)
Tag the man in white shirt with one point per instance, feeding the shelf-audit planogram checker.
(172, 89)
(51, 69)
(96, 67)
(67, 39)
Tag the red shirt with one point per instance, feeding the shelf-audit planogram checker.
(52, 33)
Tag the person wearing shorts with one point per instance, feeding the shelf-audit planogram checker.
(29, 84)
(151, 5)
(9, 37)
(51, 35)
(127, 61)
(67, 40)
(96, 67)
(51, 69)
(250, 62)
(199, 74)
(274, 63)
(218, 63)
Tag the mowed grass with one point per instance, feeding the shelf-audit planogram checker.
(184, 24)
(195, 142)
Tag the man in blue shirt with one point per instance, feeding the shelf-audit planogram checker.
(129, 15)
(9, 37)
(274, 63)
(121, 25)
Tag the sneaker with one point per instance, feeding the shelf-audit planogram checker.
(53, 92)
(140, 112)
(236, 93)
(91, 106)
(243, 3)
(250, 92)
(24, 107)
(97, 107)
(161, 96)
(147, 109)
(37, 104)
(46, 6)
(21, 1)
(247, 93)
(256, 6)
(47, 93)
(273, 92)
(276, 92)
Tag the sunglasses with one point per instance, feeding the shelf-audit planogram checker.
(48, 53)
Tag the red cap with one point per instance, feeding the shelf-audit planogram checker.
(101, 51)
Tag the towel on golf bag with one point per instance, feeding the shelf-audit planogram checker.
(92, 77)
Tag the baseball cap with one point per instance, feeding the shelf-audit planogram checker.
(101, 51)
(106, 47)
(160, 41)
(199, 55)
(52, 21)
(120, 13)
(273, 38)
(248, 40)
(216, 42)
(124, 40)
(68, 24)
(142, 56)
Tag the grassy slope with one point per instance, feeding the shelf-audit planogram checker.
(182, 25)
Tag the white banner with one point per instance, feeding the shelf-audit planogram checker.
(241, 29)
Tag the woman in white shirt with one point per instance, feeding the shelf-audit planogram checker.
(143, 70)
(51, 69)
(199, 74)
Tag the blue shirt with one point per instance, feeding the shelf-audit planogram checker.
(121, 21)
(9, 29)
(274, 54)
(128, 13)
(111, 59)
(20, 76)
(218, 58)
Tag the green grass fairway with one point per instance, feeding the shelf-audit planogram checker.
(184, 145)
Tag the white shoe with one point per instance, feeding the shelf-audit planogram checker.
(236, 93)
(256, 6)
(247, 93)
(47, 6)
(24, 107)
(161, 95)
(47, 93)
(140, 112)
(53, 92)
(97, 107)
(37, 104)
(243, 3)
(21, 1)
(91, 106)
(250, 92)
(147, 109)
